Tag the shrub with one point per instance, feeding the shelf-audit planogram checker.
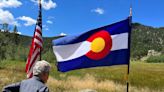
(48, 56)
(156, 59)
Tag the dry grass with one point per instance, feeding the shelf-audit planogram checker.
(72, 83)
(76, 84)
(8, 76)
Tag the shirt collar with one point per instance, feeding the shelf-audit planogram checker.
(37, 78)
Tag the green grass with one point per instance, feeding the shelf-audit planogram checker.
(147, 74)
(142, 75)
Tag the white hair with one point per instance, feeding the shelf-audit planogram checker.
(41, 67)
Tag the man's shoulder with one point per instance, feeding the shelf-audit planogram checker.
(33, 81)
(44, 89)
(33, 84)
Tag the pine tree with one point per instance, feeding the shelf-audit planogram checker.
(5, 27)
(15, 30)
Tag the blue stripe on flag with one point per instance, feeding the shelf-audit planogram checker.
(117, 57)
(116, 28)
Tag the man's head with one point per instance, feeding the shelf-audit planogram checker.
(41, 69)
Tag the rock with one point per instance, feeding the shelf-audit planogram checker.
(153, 53)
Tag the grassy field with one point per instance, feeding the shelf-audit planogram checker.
(144, 77)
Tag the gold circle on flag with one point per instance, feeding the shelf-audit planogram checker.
(97, 45)
(101, 44)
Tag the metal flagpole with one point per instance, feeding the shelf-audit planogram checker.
(130, 24)
(40, 14)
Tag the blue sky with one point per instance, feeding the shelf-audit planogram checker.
(76, 16)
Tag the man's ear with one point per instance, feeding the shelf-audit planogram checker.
(45, 73)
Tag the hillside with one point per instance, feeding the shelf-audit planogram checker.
(16, 47)
(144, 38)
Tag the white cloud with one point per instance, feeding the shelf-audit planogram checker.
(10, 3)
(98, 10)
(63, 34)
(50, 17)
(19, 33)
(49, 22)
(45, 27)
(7, 17)
(29, 21)
(2, 30)
(46, 5)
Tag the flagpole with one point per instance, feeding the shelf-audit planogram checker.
(40, 14)
(130, 24)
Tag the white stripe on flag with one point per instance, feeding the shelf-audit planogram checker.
(38, 35)
(38, 42)
(67, 52)
(119, 41)
(38, 27)
(31, 70)
(72, 51)
(33, 56)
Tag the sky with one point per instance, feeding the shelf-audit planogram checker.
(70, 17)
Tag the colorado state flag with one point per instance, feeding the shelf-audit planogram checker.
(105, 46)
